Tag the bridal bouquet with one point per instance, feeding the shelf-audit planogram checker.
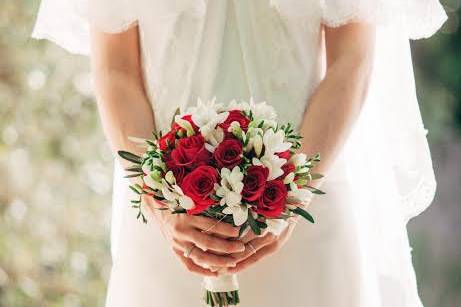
(232, 163)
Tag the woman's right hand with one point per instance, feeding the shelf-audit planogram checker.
(204, 239)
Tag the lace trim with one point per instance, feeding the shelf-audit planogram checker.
(419, 199)
(421, 18)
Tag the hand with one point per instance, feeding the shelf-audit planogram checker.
(198, 235)
(259, 247)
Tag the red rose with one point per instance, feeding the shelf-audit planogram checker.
(236, 116)
(287, 168)
(285, 155)
(188, 118)
(254, 182)
(190, 152)
(272, 203)
(198, 185)
(167, 140)
(228, 153)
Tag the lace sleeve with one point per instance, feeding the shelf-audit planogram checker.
(66, 23)
(420, 18)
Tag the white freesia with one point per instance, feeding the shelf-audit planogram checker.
(289, 178)
(239, 213)
(298, 159)
(207, 117)
(274, 142)
(254, 136)
(237, 131)
(230, 192)
(147, 168)
(258, 144)
(260, 110)
(273, 163)
(213, 139)
(174, 194)
(151, 183)
(297, 195)
(184, 124)
(170, 178)
(276, 226)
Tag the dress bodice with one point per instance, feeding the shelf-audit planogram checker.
(231, 50)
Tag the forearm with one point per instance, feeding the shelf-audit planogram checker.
(124, 109)
(334, 108)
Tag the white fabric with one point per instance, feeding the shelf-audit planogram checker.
(357, 254)
(223, 283)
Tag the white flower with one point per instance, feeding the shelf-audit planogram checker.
(289, 178)
(151, 183)
(274, 142)
(174, 194)
(300, 196)
(146, 168)
(230, 192)
(298, 159)
(239, 213)
(213, 139)
(260, 110)
(184, 124)
(276, 226)
(206, 116)
(272, 162)
(231, 186)
(169, 177)
(236, 130)
(258, 144)
(251, 134)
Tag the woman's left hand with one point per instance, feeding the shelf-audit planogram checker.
(259, 247)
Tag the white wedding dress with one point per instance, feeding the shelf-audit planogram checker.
(357, 254)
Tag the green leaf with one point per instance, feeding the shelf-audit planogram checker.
(253, 225)
(316, 176)
(242, 229)
(261, 225)
(179, 211)
(130, 156)
(304, 214)
(134, 169)
(315, 191)
(134, 190)
(134, 175)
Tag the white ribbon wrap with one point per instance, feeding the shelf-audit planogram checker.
(222, 283)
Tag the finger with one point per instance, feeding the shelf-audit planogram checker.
(261, 254)
(250, 235)
(216, 227)
(208, 260)
(209, 242)
(191, 266)
(257, 244)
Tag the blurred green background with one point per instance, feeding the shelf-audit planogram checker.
(55, 170)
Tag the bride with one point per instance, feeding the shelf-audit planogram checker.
(340, 69)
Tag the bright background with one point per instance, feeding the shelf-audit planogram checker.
(55, 170)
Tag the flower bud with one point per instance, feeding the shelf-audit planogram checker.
(169, 177)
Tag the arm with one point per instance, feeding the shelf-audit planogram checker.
(123, 105)
(125, 111)
(332, 111)
(337, 102)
